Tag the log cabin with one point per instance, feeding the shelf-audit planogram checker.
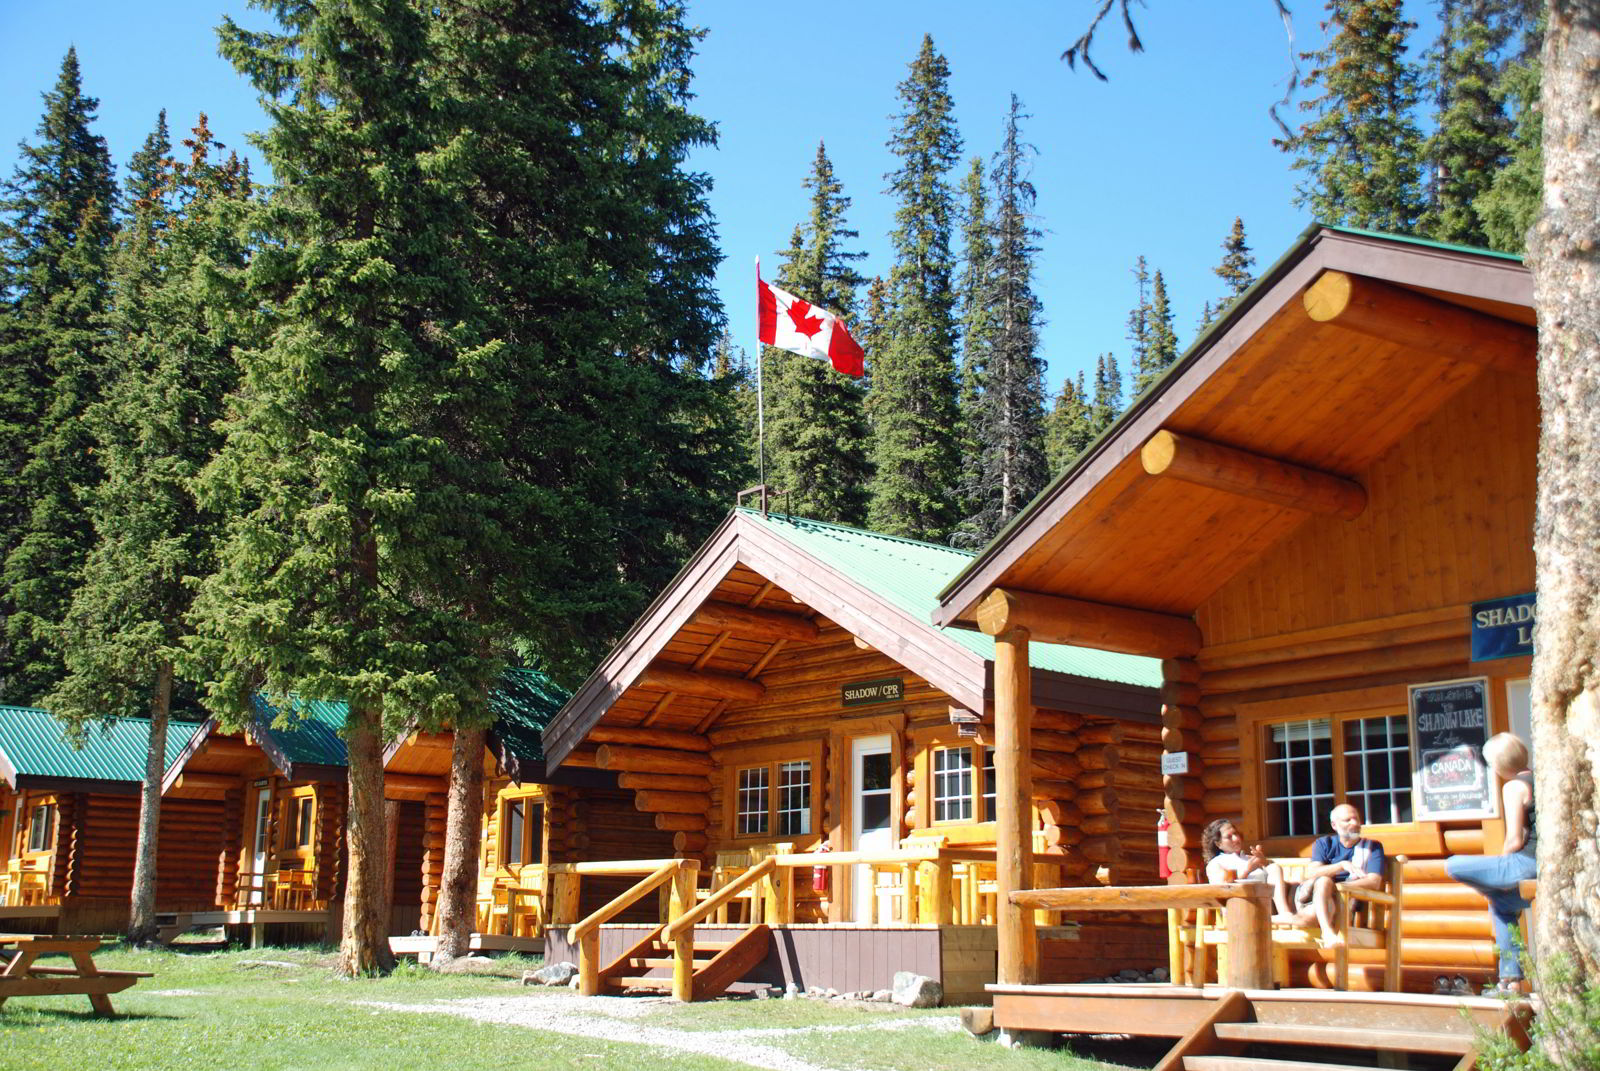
(1320, 519)
(821, 757)
(69, 820)
(532, 817)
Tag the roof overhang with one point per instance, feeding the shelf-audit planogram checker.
(1106, 508)
(92, 786)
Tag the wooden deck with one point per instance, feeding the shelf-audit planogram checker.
(1217, 1029)
(423, 947)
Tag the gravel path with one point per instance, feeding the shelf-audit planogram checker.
(614, 1019)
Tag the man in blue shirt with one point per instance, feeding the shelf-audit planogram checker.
(1343, 858)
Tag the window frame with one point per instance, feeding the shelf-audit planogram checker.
(299, 809)
(982, 797)
(531, 851)
(52, 815)
(1337, 721)
(772, 758)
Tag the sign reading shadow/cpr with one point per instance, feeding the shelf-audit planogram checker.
(1449, 726)
(861, 693)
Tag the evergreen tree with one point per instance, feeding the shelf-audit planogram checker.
(731, 368)
(1106, 405)
(1009, 425)
(171, 365)
(977, 312)
(913, 409)
(1069, 428)
(1138, 335)
(1161, 347)
(55, 243)
(816, 418)
(874, 325)
(1511, 204)
(1237, 260)
(1362, 149)
(1472, 136)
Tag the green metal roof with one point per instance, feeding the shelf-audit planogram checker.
(35, 744)
(523, 705)
(1409, 239)
(909, 574)
(310, 731)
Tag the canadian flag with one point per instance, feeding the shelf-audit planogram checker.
(791, 324)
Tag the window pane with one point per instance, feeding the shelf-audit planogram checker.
(304, 831)
(1377, 757)
(952, 784)
(875, 774)
(752, 812)
(513, 837)
(535, 841)
(988, 784)
(794, 798)
(874, 811)
(39, 829)
(1299, 776)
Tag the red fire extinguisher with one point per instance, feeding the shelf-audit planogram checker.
(819, 874)
(1163, 868)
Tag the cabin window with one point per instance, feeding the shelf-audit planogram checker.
(301, 826)
(40, 826)
(952, 784)
(753, 801)
(1377, 768)
(794, 798)
(988, 784)
(522, 839)
(1372, 755)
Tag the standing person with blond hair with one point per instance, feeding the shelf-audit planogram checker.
(1497, 877)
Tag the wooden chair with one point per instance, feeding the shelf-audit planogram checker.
(293, 887)
(31, 881)
(727, 867)
(1368, 918)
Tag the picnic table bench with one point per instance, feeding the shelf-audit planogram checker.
(23, 977)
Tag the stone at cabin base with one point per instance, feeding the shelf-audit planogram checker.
(912, 990)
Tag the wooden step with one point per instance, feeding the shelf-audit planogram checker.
(663, 983)
(1251, 1063)
(732, 963)
(1373, 1013)
(1340, 1037)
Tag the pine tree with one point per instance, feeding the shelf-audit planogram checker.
(874, 328)
(1138, 335)
(1472, 137)
(1106, 404)
(1508, 208)
(1069, 428)
(171, 365)
(913, 409)
(1361, 152)
(55, 243)
(816, 418)
(977, 315)
(731, 367)
(1161, 348)
(1237, 260)
(1010, 403)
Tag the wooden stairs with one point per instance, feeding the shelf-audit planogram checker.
(717, 964)
(1288, 1030)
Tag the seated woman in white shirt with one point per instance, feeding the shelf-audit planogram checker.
(1223, 849)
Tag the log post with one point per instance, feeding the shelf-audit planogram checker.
(681, 903)
(1248, 919)
(1179, 716)
(1013, 714)
(589, 963)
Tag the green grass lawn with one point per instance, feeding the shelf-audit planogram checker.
(214, 1010)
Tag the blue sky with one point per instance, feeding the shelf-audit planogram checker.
(1156, 162)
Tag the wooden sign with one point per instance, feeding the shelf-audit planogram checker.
(1449, 726)
(862, 693)
(1503, 628)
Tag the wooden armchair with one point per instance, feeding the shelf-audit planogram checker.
(727, 867)
(1368, 918)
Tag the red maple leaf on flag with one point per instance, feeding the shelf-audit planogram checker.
(806, 325)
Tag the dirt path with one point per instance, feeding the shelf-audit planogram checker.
(616, 1020)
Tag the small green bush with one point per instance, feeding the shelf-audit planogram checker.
(1565, 1033)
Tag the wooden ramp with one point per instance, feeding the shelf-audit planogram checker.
(424, 947)
(1272, 1029)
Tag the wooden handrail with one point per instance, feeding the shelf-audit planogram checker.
(1139, 897)
(649, 884)
(621, 866)
(688, 919)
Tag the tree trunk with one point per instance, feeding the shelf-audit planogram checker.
(142, 907)
(462, 830)
(1564, 253)
(365, 947)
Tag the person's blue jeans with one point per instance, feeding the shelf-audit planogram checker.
(1496, 877)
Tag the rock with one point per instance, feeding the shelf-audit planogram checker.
(913, 990)
(1128, 975)
(1160, 974)
(1026, 1039)
(574, 983)
(831, 994)
(883, 995)
(530, 978)
(978, 1021)
(465, 965)
(761, 992)
(791, 991)
(815, 991)
(553, 974)
(275, 964)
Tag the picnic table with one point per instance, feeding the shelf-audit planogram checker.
(24, 977)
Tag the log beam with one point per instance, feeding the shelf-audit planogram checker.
(758, 624)
(667, 678)
(1239, 472)
(1419, 322)
(1056, 619)
(1018, 959)
(638, 737)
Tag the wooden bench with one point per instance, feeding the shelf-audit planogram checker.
(23, 977)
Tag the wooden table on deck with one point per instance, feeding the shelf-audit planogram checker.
(22, 977)
(1246, 907)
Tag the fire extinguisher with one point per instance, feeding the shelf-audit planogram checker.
(1163, 867)
(819, 874)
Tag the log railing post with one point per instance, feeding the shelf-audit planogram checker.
(589, 964)
(682, 901)
(1013, 716)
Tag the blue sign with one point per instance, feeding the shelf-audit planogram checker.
(1503, 628)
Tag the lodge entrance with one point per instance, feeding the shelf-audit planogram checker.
(872, 783)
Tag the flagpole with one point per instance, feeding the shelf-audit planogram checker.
(761, 409)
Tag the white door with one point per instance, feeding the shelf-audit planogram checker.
(258, 860)
(872, 780)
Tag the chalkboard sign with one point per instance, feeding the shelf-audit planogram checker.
(1449, 726)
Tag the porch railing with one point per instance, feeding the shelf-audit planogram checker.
(679, 876)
